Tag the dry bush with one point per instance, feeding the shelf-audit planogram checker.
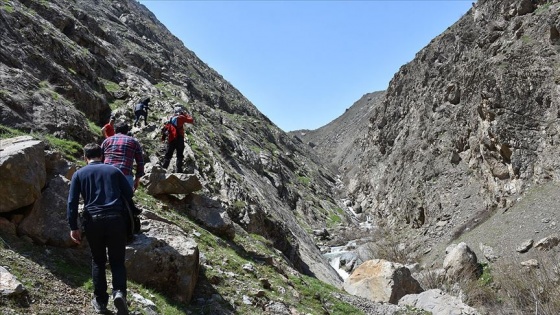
(531, 290)
(389, 246)
(470, 286)
(507, 288)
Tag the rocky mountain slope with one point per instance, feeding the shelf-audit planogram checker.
(463, 139)
(463, 132)
(67, 65)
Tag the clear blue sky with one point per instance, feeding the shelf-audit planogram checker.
(303, 63)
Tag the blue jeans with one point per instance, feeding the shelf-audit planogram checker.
(107, 231)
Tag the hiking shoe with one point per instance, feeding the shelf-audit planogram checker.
(120, 303)
(99, 308)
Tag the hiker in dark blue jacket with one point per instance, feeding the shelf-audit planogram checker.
(102, 187)
(141, 110)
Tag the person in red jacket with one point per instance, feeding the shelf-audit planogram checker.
(109, 129)
(176, 137)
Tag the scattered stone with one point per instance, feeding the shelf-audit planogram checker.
(488, 252)
(530, 263)
(548, 242)
(525, 246)
(9, 284)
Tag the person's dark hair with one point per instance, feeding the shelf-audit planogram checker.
(92, 150)
(121, 127)
(146, 100)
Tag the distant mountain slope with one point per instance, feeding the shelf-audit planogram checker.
(339, 144)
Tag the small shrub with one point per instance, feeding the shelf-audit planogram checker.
(531, 290)
(388, 246)
(6, 6)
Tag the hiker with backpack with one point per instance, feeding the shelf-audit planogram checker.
(141, 110)
(174, 132)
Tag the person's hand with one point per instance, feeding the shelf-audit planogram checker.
(76, 236)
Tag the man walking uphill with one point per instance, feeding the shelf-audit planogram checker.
(141, 109)
(108, 129)
(176, 137)
(122, 150)
(102, 188)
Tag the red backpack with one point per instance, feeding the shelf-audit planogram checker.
(169, 130)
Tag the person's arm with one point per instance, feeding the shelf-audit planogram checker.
(104, 131)
(72, 209)
(189, 119)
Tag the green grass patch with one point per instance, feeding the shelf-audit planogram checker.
(7, 6)
(334, 219)
(71, 150)
(304, 180)
(316, 295)
(94, 128)
(486, 277)
(111, 86)
(7, 132)
(116, 104)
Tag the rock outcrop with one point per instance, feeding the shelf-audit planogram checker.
(164, 258)
(463, 131)
(22, 172)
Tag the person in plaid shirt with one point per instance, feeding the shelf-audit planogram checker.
(122, 150)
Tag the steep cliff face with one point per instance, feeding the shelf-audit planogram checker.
(467, 126)
(66, 65)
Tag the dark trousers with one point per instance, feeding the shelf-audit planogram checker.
(140, 113)
(107, 232)
(178, 144)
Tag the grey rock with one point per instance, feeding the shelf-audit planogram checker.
(9, 284)
(381, 281)
(164, 258)
(22, 172)
(437, 302)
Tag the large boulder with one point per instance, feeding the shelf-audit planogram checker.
(47, 223)
(461, 261)
(22, 172)
(56, 164)
(381, 281)
(164, 258)
(437, 302)
(158, 182)
(211, 215)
